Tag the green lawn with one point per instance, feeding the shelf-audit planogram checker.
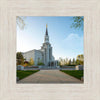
(23, 74)
(75, 73)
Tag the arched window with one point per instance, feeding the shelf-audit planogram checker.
(38, 60)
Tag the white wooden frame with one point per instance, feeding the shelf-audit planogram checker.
(9, 89)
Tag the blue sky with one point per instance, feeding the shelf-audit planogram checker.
(66, 41)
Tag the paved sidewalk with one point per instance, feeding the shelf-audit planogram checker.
(50, 76)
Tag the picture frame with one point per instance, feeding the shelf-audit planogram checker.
(9, 89)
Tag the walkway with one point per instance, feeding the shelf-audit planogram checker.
(50, 76)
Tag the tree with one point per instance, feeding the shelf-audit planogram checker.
(20, 58)
(80, 59)
(20, 22)
(69, 62)
(77, 62)
(60, 61)
(26, 63)
(31, 61)
(73, 62)
(78, 22)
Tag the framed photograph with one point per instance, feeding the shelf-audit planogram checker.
(60, 58)
(49, 50)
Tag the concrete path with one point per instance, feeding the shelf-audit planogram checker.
(50, 76)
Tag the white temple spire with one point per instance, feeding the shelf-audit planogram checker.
(46, 35)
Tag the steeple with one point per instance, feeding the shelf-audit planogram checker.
(46, 35)
(46, 29)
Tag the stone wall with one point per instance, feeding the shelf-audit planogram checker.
(79, 67)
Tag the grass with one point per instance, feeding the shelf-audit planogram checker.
(23, 74)
(75, 73)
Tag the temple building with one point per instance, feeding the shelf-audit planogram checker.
(43, 55)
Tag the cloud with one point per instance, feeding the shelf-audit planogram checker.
(73, 41)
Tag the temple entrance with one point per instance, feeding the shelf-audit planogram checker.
(51, 65)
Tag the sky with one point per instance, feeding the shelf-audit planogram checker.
(67, 42)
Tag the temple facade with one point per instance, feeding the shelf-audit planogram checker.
(43, 55)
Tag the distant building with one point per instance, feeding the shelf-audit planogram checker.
(44, 55)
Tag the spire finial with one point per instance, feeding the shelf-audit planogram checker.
(46, 29)
(46, 35)
(46, 26)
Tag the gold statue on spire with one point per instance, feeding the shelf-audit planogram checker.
(46, 26)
